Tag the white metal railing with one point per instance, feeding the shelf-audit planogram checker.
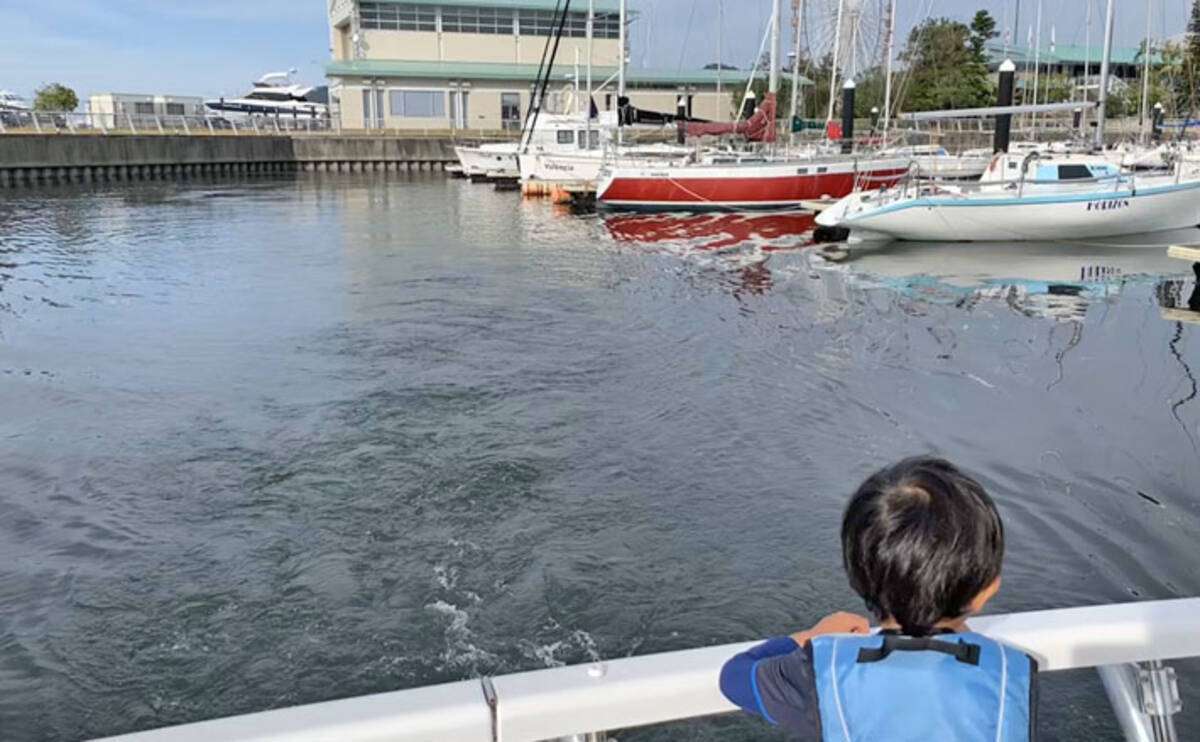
(64, 122)
(568, 702)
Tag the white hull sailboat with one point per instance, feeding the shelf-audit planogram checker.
(1065, 198)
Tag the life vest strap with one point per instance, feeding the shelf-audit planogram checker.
(964, 652)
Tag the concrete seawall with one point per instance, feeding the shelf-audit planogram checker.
(52, 158)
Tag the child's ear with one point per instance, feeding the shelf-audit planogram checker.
(984, 596)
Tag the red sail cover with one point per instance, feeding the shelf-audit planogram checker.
(758, 128)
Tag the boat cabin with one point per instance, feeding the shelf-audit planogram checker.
(1010, 167)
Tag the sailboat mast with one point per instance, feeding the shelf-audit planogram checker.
(1146, 73)
(796, 67)
(837, 47)
(591, 30)
(887, 83)
(773, 85)
(1087, 59)
(720, 54)
(1102, 112)
(1037, 61)
(624, 12)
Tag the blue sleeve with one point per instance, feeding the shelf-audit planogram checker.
(738, 683)
(776, 681)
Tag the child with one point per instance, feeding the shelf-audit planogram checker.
(922, 544)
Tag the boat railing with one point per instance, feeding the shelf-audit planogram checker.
(1128, 643)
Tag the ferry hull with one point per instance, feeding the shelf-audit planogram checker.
(1052, 217)
(772, 186)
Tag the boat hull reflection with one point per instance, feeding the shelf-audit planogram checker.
(713, 231)
(1038, 279)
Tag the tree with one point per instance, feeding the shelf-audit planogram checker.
(1193, 34)
(1192, 55)
(944, 70)
(983, 30)
(55, 97)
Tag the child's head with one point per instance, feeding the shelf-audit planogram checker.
(922, 543)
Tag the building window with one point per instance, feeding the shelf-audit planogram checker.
(477, 20)
(545, 23)
(379, 16)
(142, 108)
(418, 104)
(510, 111)
(396, 17)
(175, 109)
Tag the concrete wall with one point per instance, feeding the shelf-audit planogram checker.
(373, 149)
(51, 150)
(64, 151)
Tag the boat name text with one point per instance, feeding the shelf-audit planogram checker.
(1108, 205)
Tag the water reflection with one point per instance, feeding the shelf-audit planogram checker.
(1046, 280)
(711, 232)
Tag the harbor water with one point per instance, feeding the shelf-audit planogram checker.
(277, 441)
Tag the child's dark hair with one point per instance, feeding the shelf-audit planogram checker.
(920, 540)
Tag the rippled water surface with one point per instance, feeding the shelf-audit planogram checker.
(274, 442)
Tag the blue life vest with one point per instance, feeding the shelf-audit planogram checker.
(950, 687)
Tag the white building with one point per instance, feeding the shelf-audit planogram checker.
(117, 106)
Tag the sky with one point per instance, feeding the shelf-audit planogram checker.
(217, 47)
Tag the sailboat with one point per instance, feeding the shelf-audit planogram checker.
(1024, 197)
(745, 183)
(1029, 197)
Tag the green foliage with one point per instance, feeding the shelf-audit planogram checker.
(1054, 89)
(55, 97)
(945, 69)
(983, 30)
(1193, 35)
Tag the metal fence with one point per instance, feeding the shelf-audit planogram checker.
(64, 122)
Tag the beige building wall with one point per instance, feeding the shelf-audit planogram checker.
(473, 47)
(607, 51)
(341, 43)
(484, 98)
(411, 45)
(351, 106)
(425, 46)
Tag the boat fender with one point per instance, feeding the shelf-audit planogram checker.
(992, 165)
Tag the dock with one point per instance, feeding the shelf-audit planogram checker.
(1182, 252)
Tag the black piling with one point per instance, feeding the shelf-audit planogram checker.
(848, 117)
(681, 120)
(750, 105)
(1008, 72)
